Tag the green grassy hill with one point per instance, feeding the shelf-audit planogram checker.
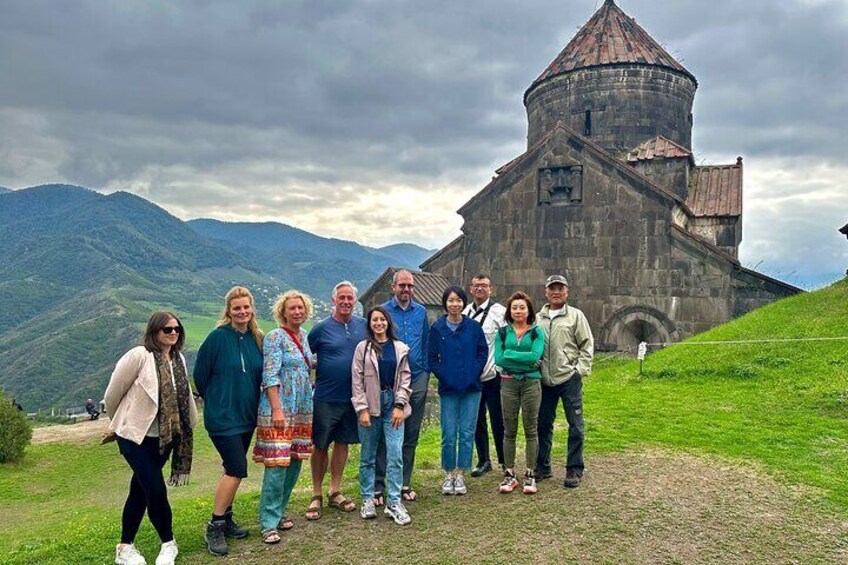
(781, 405)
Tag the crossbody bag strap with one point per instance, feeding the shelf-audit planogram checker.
(485, 313)
(298, 345)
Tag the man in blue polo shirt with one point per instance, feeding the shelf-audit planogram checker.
(412, 328)
(333, 340)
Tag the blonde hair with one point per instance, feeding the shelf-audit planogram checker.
(226, 319)
(278, 310)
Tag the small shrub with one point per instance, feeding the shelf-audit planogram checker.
(743, 372)
(772, 362)
(15, 433)
(666, 373)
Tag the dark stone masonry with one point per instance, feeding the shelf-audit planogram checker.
(608, 194)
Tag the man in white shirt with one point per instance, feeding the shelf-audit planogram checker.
(490, 315)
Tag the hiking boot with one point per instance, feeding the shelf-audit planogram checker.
(572, 478)
(397, 512)
(233, 530)
(367, 510)
(459, 485)
(481, 469)
(529, 483)
(447, 485)
(168, 553)
(508, 483)
(542, 475)
(129, 555)
(216, 541)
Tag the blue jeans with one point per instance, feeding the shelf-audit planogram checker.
(411, 431)
(458, 419)
(277, 486)
(369, 437)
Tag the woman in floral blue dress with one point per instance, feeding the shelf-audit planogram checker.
(284, 430)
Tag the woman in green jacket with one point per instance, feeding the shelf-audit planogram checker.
(228, 375)
(518, 352)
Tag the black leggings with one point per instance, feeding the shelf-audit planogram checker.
(147, 489)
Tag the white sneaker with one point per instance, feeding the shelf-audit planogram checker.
(459, 485)
(398, 513)
(129, 555)
(367, 510)
(447, 485)
(168, 553)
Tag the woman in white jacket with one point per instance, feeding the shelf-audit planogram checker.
(152, 412)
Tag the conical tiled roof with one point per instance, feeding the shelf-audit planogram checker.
(610, 37)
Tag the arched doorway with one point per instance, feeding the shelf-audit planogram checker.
(630, 325)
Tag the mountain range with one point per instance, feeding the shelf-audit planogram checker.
(83, 270)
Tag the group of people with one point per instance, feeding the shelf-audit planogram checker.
(492, 362)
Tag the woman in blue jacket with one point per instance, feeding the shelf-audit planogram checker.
(228, 376)
(457, 356)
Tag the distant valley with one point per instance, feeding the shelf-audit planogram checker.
(83, 270)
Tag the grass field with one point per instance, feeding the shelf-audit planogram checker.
(716, 453)
(198, 327)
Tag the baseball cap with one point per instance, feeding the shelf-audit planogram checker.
(556, 279)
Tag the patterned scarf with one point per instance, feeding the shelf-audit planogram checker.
(174, 420)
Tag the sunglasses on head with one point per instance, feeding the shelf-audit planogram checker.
(172, 330)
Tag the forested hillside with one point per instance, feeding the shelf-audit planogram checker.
(81, 272)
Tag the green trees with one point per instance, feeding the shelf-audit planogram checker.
(15, 432)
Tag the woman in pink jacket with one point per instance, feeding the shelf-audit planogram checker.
(381, 389)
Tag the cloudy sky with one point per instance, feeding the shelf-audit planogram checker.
(374, 120)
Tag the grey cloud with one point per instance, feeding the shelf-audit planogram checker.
(195, 102)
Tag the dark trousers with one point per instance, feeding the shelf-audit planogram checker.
(411, 431)
(147, 489)
(490, 401)
(571, 394)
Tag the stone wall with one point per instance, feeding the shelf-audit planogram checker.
(634, 275)
(627, 104)
(725, 232)
(671, 174)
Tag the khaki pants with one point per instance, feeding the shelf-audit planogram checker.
(524, 395)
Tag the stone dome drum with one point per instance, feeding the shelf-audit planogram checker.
(616, 85)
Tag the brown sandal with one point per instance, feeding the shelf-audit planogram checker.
(345, 504)
(271, 536)
(285, 524)
(313, 512)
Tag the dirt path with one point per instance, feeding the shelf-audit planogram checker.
(70, 433)
(650, 507)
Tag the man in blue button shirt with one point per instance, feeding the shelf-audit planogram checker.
(412, 328)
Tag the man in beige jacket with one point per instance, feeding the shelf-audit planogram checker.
(569, 348)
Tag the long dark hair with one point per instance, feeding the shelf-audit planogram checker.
(157, 321)
(369, 333)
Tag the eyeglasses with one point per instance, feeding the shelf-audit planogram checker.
(405, 285)
(480, 285)
(172, 330)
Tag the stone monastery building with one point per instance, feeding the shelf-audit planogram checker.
(608, 193)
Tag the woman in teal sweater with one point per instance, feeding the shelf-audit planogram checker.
(228, 376)
(518, 352)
